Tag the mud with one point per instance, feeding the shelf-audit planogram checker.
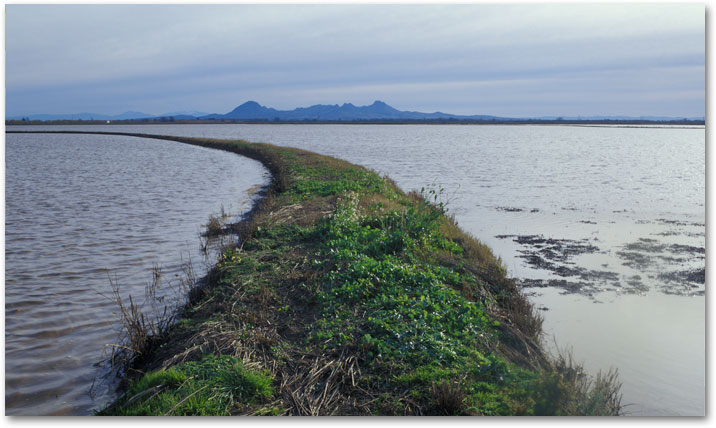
(678, 223)
(645, 254)
(635, 283)
(516, 210)
(569, 287)
(693, 278)
(555, 255)
(645, 245)
(687, 249)
(542, 252)
(636, 260)
(590, 285)
(681, 233)
(509, 209)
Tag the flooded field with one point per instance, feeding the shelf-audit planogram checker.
(604, 226)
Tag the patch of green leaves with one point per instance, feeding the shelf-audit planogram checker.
(380, 297)
(326, 181)
(274, 237)
(213, 386)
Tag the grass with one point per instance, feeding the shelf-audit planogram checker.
(348, 296)
(212, 386)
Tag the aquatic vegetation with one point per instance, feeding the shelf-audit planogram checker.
(214, 226)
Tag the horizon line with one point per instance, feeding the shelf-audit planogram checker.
(188, 112)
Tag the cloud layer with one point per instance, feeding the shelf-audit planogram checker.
(511, 60)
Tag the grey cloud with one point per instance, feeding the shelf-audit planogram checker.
(289, 56)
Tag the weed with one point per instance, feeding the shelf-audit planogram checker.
(212, 386)
(449, 397)
(214, 227)
(139, 331)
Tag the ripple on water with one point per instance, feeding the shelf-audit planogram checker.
(69, 230)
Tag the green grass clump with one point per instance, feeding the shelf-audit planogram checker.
(213, 386)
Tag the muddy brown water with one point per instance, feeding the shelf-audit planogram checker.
(81, 209)
(605, 224)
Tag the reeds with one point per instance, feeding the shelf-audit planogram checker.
(141, 329)
(581, 394)
(138, 330)
(214, 226)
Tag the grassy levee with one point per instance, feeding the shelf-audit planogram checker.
(348, 296)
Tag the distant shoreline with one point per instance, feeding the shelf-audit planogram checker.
(621, 123)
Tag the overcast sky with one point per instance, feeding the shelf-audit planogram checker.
(512, 60)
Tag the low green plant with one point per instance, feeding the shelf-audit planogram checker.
(410, 310)
(324, 180)
(210, 387)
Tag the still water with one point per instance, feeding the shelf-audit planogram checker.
(605, 227)
(81, 209)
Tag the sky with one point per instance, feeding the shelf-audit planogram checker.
(505, 60)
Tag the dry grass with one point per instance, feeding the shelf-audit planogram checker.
(214, 227)
(142, 330)
(315, 384)
(139, 332)
(449, 396)
(589, 396)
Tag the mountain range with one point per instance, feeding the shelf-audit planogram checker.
(346, 112)
(378, 111)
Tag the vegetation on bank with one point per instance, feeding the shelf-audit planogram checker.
(348, 296)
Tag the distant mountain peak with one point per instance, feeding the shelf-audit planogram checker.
(377, 111)
(249, 109)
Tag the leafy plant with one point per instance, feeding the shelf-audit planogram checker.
(212, 386)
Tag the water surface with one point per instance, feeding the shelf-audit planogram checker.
(81, 210)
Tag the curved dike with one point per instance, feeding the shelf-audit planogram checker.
(348, 296)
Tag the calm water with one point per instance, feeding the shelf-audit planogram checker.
(79, 209)
(606, 225)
